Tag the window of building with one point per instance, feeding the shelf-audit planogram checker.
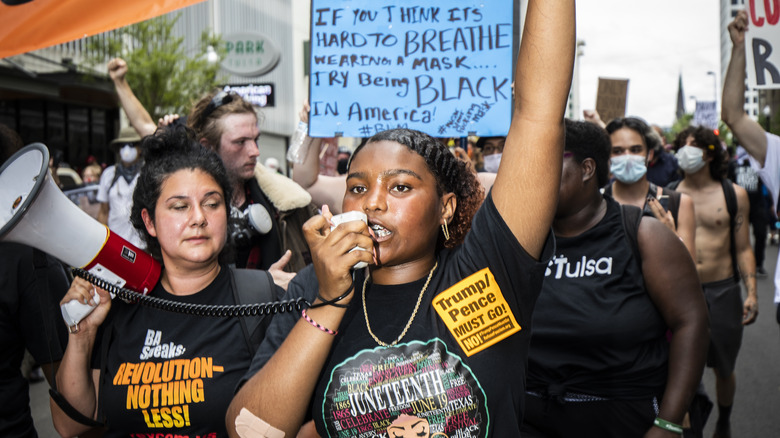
(55, 122)
(78, 134)
(8, 114)
(31, 121)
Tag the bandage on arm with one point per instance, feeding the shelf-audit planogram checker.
(248, 425)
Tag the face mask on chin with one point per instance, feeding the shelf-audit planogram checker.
(492, 162)
(628, 168)
(690, 159)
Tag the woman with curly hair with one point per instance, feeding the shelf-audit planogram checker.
(143, 371)
(425, 330)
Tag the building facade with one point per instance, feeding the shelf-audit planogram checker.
(52, 96)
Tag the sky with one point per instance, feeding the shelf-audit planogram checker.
(650, 43)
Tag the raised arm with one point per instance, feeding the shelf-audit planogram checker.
(746, 259)
(136, 113)
(324, 189)
(526, 187)
(673, 286)
(593, 116)
(750, 134)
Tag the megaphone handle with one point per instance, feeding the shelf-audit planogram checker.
(73, 312)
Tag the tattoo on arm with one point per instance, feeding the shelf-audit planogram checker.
(740, 220)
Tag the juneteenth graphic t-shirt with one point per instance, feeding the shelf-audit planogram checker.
(170, 373)
(460, 369)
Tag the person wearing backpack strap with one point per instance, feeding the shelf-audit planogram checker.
(141, 370)
(633, 148)
(600, 363)
(723, 255)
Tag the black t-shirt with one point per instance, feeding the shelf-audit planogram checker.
(596, 330)
(170, 373)
(29, 318)
(468, 381)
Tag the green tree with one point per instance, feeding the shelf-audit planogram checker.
(165, 78)
(685, 121)
(679, 125)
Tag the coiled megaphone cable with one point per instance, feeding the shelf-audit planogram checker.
(220, 311)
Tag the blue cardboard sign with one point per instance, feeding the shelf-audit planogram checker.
(444, 68)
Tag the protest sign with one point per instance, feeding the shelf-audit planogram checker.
(442, 69)
(706, 114)
(762, 44)
(611, 98)
(476, 312)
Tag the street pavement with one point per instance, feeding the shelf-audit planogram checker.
(756, 412)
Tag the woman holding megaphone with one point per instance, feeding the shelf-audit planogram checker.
(139, 370)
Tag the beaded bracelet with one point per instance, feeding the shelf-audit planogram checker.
(315, 324)
(334, 301)
(668, 425)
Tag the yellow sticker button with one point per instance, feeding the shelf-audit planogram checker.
(476, 312)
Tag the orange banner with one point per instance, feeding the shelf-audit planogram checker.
(27, 25)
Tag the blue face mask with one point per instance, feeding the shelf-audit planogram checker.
(628, 168)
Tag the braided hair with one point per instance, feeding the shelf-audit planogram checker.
(452, 176)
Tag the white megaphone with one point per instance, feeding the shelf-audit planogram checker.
(34, 212)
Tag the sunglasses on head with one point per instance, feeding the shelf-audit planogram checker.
(221, 98)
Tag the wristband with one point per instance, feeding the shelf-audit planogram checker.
(335, 300)
(315, 324)
(667, 425)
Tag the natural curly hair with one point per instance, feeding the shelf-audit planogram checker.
(166, 152)
(452, 176)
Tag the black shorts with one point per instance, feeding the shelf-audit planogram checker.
(724, 301)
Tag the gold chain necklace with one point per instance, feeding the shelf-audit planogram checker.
(414, 313)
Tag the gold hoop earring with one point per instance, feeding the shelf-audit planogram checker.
(445, 230)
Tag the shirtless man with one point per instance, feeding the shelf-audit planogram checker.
(702, 158)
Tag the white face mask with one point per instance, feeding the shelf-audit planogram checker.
(492, 162)
(628, 168)
(128, 154)
(690, 159)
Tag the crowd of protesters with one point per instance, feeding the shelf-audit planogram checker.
(618, 266)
